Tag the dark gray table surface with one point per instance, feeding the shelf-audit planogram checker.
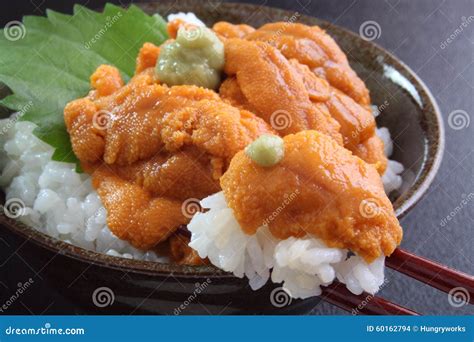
(417, 32)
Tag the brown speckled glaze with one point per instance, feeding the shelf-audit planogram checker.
(145, 287)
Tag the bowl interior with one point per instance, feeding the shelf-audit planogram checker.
(406, 107)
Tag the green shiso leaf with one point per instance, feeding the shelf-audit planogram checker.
(50, 61)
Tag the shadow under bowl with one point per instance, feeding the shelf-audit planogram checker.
(407, 109)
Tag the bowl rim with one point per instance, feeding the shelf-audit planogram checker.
(158, 269)
(419, 188)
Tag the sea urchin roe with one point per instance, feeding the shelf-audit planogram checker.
(335, 196)
(195, 57)
(267, 150)
(165, 145)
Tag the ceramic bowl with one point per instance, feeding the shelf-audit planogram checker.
(410, 112)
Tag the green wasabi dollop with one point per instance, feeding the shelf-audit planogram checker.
(195, 57)
(267, 150)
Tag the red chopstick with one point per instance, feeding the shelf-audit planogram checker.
(432, 273)
(363, 304)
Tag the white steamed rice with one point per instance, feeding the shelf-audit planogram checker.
(302, 264)
(56, 200)
(187, 17)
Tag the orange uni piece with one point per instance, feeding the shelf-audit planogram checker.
(323, 190)
(150, 147)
